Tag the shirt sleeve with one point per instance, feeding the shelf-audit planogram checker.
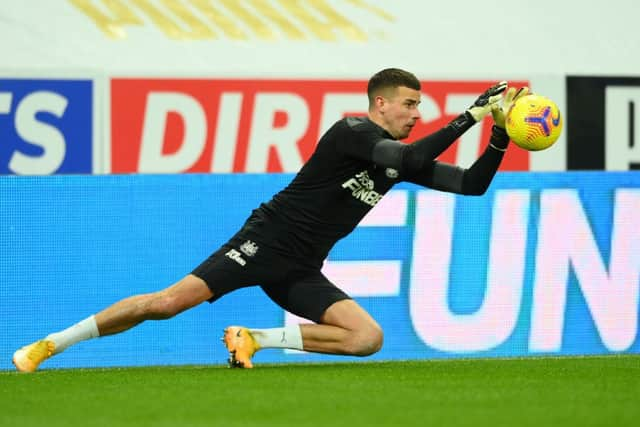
(472, 181)
(356, 141)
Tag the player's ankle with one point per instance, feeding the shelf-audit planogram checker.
(286, 337)
(83, 330)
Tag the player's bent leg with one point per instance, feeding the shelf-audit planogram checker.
(345, 328)
(342, 326)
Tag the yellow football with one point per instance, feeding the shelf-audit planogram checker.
(534, 122)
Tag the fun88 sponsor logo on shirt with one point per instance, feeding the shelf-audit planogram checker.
(46, 126)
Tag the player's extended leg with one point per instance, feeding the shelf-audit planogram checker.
(125, 314)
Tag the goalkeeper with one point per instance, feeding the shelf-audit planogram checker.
(283, 243)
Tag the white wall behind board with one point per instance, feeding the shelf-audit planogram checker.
(319, 38)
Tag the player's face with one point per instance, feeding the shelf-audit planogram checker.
(400, 111)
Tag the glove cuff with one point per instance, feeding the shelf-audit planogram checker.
(462, 123)
(499, 137)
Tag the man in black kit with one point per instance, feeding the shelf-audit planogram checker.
(283, 243)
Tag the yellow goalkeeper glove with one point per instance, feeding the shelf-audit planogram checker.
(499, 112)
(485, 102)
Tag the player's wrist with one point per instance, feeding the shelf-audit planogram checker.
(462, 123)
(499, 138)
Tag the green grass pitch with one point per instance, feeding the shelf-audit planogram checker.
(584, 391)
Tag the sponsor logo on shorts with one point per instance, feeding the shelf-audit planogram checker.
(249, 248)
(236, 256)
(391, 173)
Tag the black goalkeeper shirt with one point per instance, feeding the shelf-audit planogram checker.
(340, 183)
(332, 192)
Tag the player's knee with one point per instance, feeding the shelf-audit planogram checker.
(366, 341)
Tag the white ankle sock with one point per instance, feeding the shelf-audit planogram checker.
(287, 337)
(83, 330)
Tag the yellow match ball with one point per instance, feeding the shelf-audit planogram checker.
(534, 122)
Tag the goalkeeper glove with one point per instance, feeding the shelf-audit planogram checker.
(485, 102)
(499, 112)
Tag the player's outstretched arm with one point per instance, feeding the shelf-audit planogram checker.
(476, 179)
(418, 156)
(416, 159)
(473, 181)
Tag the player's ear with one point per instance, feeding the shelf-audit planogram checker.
(381, 103)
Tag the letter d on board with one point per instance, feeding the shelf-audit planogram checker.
(159, 105)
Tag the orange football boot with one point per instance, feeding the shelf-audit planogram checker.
(241, 345)
(29, 357)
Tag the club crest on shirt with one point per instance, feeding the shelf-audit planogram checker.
(249, 248)
(391, 173)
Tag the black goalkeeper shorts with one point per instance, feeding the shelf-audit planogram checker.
(296, 286)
